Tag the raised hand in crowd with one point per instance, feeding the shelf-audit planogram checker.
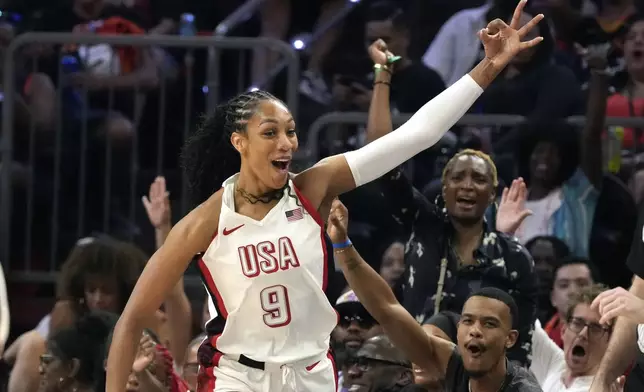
(512, 211)
(157, 206)
(619, 302)
(501, 43)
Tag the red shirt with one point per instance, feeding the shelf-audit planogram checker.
(618, 106)
(554, 330)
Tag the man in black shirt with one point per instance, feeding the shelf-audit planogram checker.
(485, 331)
(622, 348)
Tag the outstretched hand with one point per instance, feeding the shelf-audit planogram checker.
(502, 42)
(338, 222)
(157, 203)
(512, 211)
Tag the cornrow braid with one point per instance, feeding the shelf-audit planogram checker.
(208, 157)
(471, 152)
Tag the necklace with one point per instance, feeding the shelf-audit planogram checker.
(266, 198)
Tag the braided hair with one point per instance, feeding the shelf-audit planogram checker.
(208, 157)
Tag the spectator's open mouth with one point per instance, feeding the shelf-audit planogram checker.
(578, 351)
(475, 349)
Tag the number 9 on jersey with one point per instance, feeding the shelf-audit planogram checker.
(274, 301)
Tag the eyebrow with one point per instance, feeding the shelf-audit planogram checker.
(274, 121)
(484, 318)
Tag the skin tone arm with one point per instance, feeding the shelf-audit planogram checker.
(375, 294)
(622, 347)
(190, 236)
(591, 143)
(177, 305)
(336, 175)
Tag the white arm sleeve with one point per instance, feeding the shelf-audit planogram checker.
(423, 130)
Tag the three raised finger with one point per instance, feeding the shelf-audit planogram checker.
(529, 26)
(516, 17)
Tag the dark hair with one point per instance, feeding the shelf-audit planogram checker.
(584, 296)
(500, 295)
(564, 136)
(573, 260)
(208, 157)
(388, 11)
(86, 342)
(105, 257)
(561, 249)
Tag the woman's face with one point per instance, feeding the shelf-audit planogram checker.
(54, 372)
(545, 162)
(393, 263)
(102, 293)
(634, 49)
(468, 189)
(268, 144)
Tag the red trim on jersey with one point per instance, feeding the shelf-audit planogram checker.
(211, 285)
(335, 369)
(316, 216)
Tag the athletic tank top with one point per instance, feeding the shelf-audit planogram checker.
(267, 281)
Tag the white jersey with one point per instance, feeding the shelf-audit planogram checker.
(267, 280)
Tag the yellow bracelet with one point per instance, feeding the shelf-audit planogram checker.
(381, 67)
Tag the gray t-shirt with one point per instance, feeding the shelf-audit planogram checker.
(517, 379)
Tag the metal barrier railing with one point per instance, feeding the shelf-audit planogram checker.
(310, 153)
(57, 159)
(240, 15)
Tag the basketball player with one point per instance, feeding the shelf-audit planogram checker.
(266, 257)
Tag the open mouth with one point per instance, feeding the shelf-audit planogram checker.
(281, 164)
(466, 202)
(475, 349)
(578, 351)
(638, 54)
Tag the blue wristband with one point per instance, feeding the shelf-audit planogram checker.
(344, 244)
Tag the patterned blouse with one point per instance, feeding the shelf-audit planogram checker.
(500, 262)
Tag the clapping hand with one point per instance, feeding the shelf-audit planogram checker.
(619, 302)
(146, 354)
(512, 209)
(502, 42)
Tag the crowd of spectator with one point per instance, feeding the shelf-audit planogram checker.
(557, 200)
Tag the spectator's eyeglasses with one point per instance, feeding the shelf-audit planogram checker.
(46, 359)
(577, 324)
(366, 363)
(363, 322)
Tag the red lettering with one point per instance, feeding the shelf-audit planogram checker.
(267, 257)
(288, 257)
(268, 262)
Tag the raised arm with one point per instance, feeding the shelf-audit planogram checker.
(591, 139)
(342, 173)
(177, 305)
(374, 293)
(190, 236)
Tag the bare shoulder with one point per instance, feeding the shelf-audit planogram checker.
(313, 182)
(197, 228)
